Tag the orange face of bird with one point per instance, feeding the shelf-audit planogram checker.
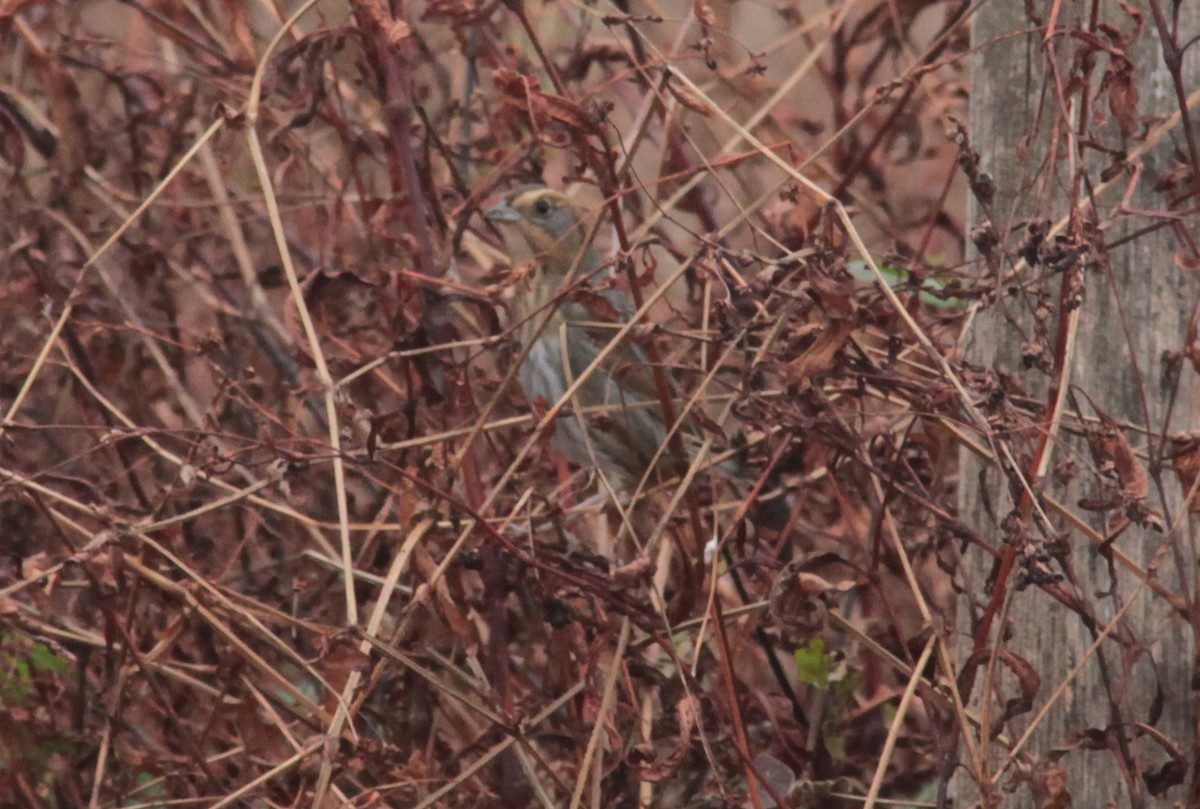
(540, 224)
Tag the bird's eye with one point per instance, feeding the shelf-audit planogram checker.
(541, 207)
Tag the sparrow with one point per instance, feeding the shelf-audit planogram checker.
(617, 419)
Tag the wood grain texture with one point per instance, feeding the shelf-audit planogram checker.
(1136, 306)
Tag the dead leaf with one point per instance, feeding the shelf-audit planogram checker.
(1049, 787)
(524, 93)
(1111, 451)
(566, 111)
(598, 307)
(1191, 344)
(818, 357)
(398, 31)
(654, 768)
(639, 571)
(1185, 457)
(342, 659)
(689, 99)
(1187, 260)
(1123, 95)
(800, 598)
(447, 608)
(1028, 681)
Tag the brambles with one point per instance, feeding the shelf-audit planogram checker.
(267, 478)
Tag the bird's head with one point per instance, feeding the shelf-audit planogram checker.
(540, 224)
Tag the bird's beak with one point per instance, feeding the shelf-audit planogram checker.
(502, 212)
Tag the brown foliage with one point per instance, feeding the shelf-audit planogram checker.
(279, 526)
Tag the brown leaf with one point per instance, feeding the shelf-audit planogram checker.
(1185, 456)
(519, 91)
(447, 608)
(1111, 451)
(398, 31)
(1049, 787)
(818, 357)
(255, 734)
(659, 768)
(524, 93)
(1135, 15)
(1028, 681)
(567, 112)
(1123, 95)
(1191, 344)
(597, 306)
(1187, 260)
(801, 597)
(1114, 446)
(689, 99)
(639, 571)
(341, 660)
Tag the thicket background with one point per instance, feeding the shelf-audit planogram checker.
(279, 529)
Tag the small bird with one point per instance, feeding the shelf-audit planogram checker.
(545, 228)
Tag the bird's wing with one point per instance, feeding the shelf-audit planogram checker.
(626, 380)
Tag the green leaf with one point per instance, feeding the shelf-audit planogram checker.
(898, 277)
(846, 686)
(812, 664)
(44, 659)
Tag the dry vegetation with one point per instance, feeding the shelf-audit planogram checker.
(279, 528)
